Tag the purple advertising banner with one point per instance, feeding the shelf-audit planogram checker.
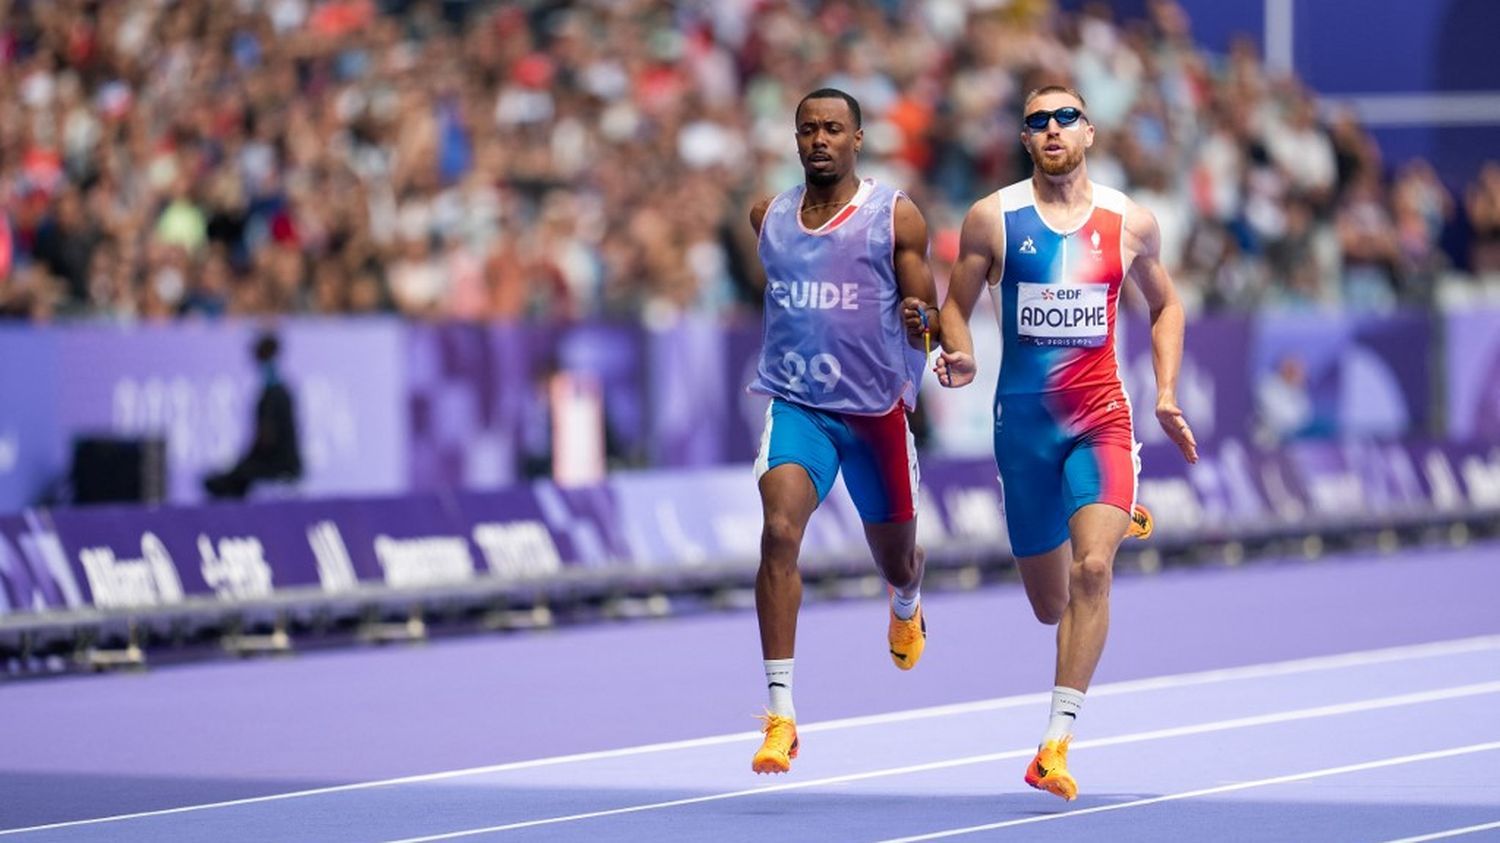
(134, 558)
(1213, 388)
(691, 412)
(586, 523)
(713, 516)
(509, 528)
(1318, 375)
(477, 405)
(1235, 490)
(195, 384)
(31, 439)
(706, 516)
(17, 586)
(34, 573)
(192, 384)
(962, 502)
(1224, 492)
(747, 417)
(477, 412)
(1473, 376)
(389, 407)
(616, 355)
(414, 542)
(350, 380)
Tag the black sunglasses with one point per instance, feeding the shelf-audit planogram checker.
(1066, 116)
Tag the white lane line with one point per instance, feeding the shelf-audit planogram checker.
(1315, 664)
(1477, 689)
(1210, 791)
(1452, 832)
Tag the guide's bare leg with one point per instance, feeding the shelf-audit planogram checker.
(788, 499)
(787, 502)
(901, 561)
(894, 546)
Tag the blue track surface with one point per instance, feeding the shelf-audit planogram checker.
(1346, 700)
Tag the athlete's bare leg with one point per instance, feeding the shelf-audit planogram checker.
(1045, 577)
(1097, 530)
(1069, 586)
(894, 546)
(788, 499)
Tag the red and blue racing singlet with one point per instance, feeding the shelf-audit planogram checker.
(1058, 295)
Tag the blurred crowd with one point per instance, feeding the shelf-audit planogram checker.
(540, 160)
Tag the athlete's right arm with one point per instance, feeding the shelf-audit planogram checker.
(976, 264)
(758, 213)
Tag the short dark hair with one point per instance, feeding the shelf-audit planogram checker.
(1053, 89)
(834, 93)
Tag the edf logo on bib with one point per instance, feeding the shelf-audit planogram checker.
(1061, 294)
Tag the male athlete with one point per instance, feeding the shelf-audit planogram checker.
(846, 264)
(1055, 249)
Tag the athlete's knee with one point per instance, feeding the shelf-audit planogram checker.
(780, 540)
(917, 559)
(1092, 573)
(1049, 608)
(902, 566)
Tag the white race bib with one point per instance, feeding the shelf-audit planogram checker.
(1075, 315)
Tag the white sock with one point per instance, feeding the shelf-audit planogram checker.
(903, 606)
(779, 686)
(1065, 705)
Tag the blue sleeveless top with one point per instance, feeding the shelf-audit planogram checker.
(834, 339)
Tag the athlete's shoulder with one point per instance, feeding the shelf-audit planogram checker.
(907, 223)
(1138, 220)
(758, 211)
(1110, 199)
(1014, 197)
(905, 209)
(988, 209)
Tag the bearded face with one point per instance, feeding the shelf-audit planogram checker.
(1056, 133)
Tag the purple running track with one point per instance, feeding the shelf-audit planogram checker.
(85, 747)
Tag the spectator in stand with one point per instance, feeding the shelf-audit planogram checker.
(1483, 205)
(65, 243)
(1367, 236)
(1423, 209)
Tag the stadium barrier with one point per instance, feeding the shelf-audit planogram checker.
(254, 575)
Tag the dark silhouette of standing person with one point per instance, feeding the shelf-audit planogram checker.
(273, 452)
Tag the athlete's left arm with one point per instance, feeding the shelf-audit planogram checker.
(914, 273)
(1143, 243)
